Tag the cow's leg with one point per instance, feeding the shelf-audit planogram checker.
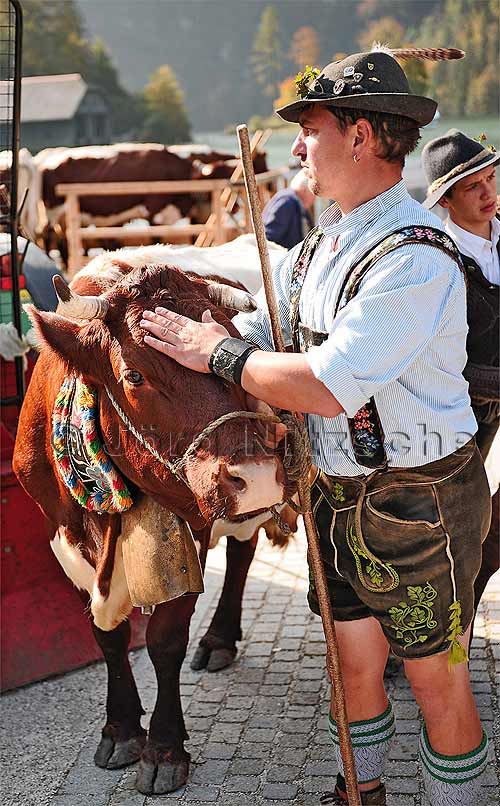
(165, 764)
(123, 738)
(217, 648)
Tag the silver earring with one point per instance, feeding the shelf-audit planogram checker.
(355, 158)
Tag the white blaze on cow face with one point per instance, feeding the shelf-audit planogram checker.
(254, 484)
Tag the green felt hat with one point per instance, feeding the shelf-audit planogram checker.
(372, 81)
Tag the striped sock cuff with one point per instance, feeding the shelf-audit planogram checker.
(453, 769)
(371, 741)
(367, 732)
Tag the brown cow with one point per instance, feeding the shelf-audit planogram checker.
(222, 483)
(125, 162)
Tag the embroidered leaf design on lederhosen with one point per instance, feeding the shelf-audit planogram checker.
(365, 428)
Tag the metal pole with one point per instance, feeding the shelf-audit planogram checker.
(332, 657)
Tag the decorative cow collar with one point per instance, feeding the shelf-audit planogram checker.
(79, 454)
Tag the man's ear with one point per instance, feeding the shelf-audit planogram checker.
(82, 347)
(444, 202)
(363, 132)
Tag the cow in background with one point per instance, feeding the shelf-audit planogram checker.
(124, 162)
(26, 189)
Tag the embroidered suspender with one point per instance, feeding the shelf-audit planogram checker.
(365, 428)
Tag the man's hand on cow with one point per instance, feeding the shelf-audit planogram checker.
(188, 342)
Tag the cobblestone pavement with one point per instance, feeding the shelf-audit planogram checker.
(258, 731)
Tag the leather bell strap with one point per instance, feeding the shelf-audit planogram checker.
(229, 357)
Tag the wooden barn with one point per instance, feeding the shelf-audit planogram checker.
(62, 110)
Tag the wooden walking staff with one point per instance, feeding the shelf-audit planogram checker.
(332, 658)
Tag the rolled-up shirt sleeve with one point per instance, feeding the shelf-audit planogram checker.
(256, 327)
(398, 309)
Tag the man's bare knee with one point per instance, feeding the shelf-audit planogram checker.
(435, 684)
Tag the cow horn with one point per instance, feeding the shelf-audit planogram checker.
(75, 306)
(228, 297)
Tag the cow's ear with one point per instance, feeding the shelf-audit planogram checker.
(80, 346)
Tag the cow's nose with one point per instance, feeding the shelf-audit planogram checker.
(255, 485)
(233, 478)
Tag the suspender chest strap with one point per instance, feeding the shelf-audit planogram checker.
(365, 429)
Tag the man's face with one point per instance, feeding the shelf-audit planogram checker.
(325, 152)
(473, 200)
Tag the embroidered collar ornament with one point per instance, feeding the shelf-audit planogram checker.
(303, 80)
(81, 460)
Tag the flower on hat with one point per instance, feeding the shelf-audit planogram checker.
(482, 139)
(303, 80)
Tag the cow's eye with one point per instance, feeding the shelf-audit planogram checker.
(134, 377)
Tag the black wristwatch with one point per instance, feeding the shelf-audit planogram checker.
(228, 359)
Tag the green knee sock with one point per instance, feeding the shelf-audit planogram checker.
(453, 780)
(371, 740)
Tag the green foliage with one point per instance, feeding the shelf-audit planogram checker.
(388, 31)
(467, 87)
(482, 97)
(385, 30)
(471, 85)
(267, 53)
(165, 116)
(303, 80)
(55, 42)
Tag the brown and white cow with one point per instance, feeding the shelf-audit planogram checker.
(224, 484)
(125, 162)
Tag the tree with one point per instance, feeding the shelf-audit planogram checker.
(407, 12)
(388, 31)
(482, 97)
(55, 42)
(304, 48)
(165, 116)
(267, 53)
(458, 86)
(287, 93)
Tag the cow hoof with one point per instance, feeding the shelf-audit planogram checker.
(104, 752)
(200, 658)
(163, 773)
(112, 754)
(126, 753)
(220, 659)
(211, 655)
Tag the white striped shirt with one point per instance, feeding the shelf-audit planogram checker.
(401, 339)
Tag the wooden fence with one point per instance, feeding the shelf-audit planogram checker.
(216, 230)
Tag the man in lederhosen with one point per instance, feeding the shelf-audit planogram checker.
(373, 302)
(461, 174)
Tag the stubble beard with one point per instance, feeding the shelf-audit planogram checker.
(315, 186)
